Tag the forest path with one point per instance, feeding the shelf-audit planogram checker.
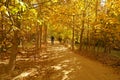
(66, 65)
(60, 63)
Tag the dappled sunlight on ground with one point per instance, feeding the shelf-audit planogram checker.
(4, 62)
(60, 63)
(21, 58)
(30, 72)
(57, 67)
(59, 48)
(65, 73)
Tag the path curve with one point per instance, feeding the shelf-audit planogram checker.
(70, 66)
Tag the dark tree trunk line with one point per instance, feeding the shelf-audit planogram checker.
(82, 31)
(37, 38)
(73, 33)
(13, 55)
(45, 35)
(40, 40)
(2, 34)
(96, 16)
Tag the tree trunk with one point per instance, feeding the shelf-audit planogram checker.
(81, 34)
(45, 35)
(2, 34)
(11, 64)
(73, 33)
(96, 15)
(40, 40)
(13, 55)
(37, 38)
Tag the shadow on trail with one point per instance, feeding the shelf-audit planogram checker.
(60, 63)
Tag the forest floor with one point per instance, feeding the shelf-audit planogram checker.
(58, 62)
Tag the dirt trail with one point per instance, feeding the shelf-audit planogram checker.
(71, 66)
(60, 63)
